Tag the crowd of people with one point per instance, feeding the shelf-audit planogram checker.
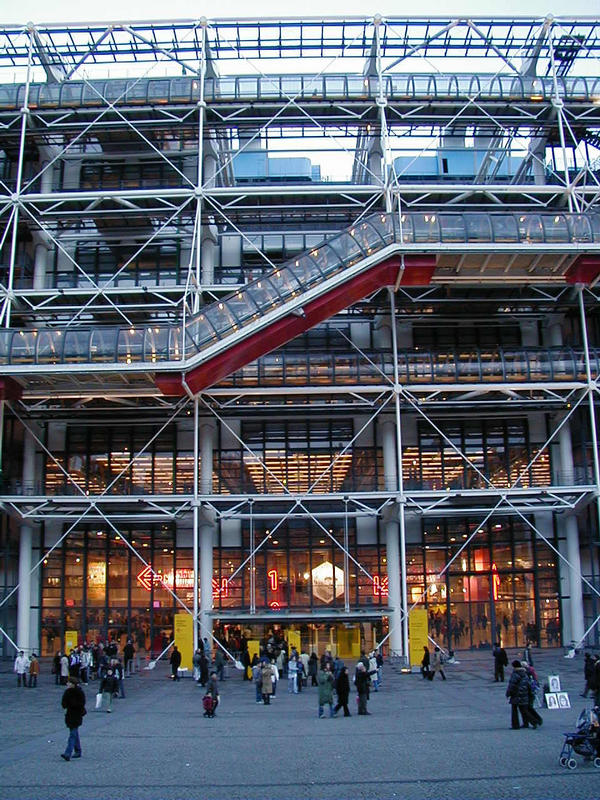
(330, 675)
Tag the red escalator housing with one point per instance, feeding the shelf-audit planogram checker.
(418, 271)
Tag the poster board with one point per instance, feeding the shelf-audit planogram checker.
(293, 638)
(184, 638)
(348, 642)
(417, 634)
(70, 641)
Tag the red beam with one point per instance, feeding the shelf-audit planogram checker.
(585, 269)
(10, 389)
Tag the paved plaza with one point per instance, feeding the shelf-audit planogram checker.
(422, 740)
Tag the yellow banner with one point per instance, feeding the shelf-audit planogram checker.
(184, 638)
(417, 633)
(293, 638)
(348, 642)
(253, 648)
(70, 641)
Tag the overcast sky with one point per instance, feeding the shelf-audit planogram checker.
(75, 10)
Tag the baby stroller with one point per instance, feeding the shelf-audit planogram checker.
(585, 741)
(207, 705)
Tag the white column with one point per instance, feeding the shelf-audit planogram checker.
(25, 543)
(575, 620)
(392, 544)
(207, 527)
(208, 251)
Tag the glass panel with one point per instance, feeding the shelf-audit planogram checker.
(555, 229)
(49, 347)
(103, 344)
(580, 228)
(478, 228)
(530, 228)
(130, 345)
(452, 228)
(505, 228)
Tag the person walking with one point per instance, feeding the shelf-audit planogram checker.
(342, 689)
(34, 671)
(425, 662)
(56, 667)
(500, 661)
(437, 665)
(292, 667)
(588, 674)
(527, 653)
(326, 689)
(21, 667)
(373, 671)
(86, 661)
(266, 682)
(275, 678)
(128, 653)
(257, 678)
(73, 701)
(64, 669)
(220, 664)
(362, 682)
(175, 662)
(518, 693)
(313, 668)
(108, 687)
(213, 690)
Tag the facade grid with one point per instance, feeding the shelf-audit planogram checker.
(299, 332)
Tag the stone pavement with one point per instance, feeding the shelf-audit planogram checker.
(423, 740)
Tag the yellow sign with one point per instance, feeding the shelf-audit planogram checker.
(348, 642)
(253, 648)
(184, 637)
(70, 641)
(293, 638)
(417, 633)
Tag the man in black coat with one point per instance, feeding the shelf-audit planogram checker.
(73, 700)
(500, 661)
(518, 692)
(342, 688)
(362, 681)
(175, 662)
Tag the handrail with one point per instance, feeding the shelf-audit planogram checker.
(397, 88)
(152, 344)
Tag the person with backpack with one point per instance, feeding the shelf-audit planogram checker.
(519, 692)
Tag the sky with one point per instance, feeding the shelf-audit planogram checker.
(75, 10)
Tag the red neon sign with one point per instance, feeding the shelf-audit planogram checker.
(184, 578)
(273, 579)
(495, 581)
(275, 605)
(380, 586)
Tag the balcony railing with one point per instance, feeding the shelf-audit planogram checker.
(155, 344)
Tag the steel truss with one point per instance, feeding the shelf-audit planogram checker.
(368, 135)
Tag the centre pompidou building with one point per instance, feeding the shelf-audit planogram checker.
(299, 331)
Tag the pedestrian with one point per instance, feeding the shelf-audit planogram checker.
(313, 668)
(292, 666)
(220, 664)
(425, 662)
(500, 661)
(437, 664)
(362, 682)
(21, 667)
(379, 660)
(275, 677)
(527, 653)
(196, 665)
(326, 688)
(596, 682)
(534, 686)
(74, 663)
(34, 671)
(299, 674)
(56, 667)
(588, 674)
(73, 701)
(245, 659)
(64, 669)
(373, 671)
(108, 687)
(119, 674)
(175, 662)
(257, 678)
(128, 653)
(86, 661)
(204, 666)
(518, 693)
(213, 690)
(342, 688)
(266, 682)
